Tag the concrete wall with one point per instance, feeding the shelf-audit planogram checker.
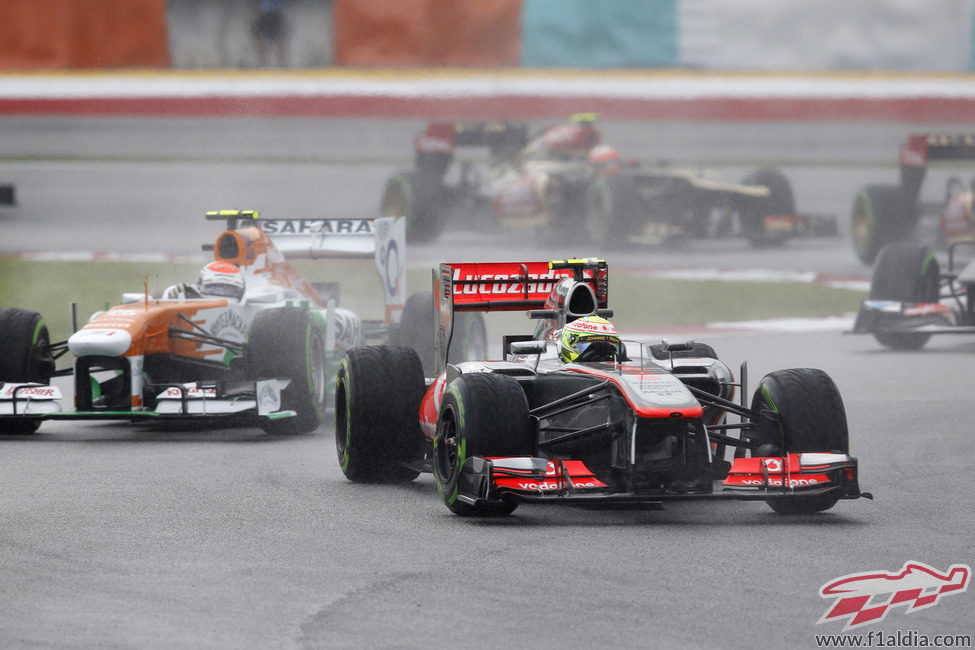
(219, 34)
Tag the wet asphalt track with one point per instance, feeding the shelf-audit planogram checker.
(121, 536)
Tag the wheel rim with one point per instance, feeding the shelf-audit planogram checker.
(447, 456)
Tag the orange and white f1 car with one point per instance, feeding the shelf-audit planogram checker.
(262, 350)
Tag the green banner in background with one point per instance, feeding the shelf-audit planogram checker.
(599, 33)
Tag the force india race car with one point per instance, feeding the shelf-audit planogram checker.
(649, 425)
(885, 214)
(565, 180)
(911, 299)
(266, 358)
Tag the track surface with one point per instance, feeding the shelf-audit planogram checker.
(122, 536)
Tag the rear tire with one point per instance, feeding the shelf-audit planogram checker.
(613, 208)
(881, 214)
(482, 414)
(905, 272)
(419, 197)
(287, 343)
(377, 406)
(804, 413)
(780, 201)
(26, 357)
(417, 324)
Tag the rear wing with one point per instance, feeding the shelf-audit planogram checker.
(922, 147)
(444, 137)
(383, 239)
(512, 286)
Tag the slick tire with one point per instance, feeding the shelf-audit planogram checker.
(417, 324)
(614, 207)
(780, 201)
(482, 414)
(905, 272)
(287, 342)
(801, 410)
(377, 404)
(25, 357)
(419, 197)
(881, 214)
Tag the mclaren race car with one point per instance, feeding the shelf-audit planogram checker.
(565, 178)
(252, 341)
(631, 424)
(911, 299)
(886, 214)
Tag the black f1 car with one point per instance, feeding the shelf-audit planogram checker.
(911, 299)
(564, 178)
(651, 424)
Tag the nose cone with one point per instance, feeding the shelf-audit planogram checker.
(99, 342)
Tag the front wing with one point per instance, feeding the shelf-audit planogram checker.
(255, 400)
(798, 475)
(883, 316)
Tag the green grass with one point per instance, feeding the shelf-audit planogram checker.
(639, 300)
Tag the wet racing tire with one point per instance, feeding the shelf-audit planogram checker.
(419, 197)
(780, 201)
(417, 325)
(377, 404)
(802, 412)
(881, 214)
(614, 206)
(905, 272)
(287, 343)
(26, 357)
(482, 414)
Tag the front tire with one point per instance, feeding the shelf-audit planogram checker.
(26, 357)
(905, 272)
(803, 412)
(482, 414)
(287, 343)
(377, 406)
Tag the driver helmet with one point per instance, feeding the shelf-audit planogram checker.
(221, 280)
(590, 338)
(604, 158)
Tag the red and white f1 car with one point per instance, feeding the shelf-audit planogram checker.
(652, 424)
(265, 355)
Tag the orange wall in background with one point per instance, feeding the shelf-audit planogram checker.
(82, 34)
(427, 32)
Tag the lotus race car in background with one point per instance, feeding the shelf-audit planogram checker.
(564, 179)
(652, 423)
(885, 214)
(267, 358)
(911, 299)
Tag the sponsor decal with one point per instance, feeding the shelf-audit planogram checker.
(317, 226)
(501, 283)
(29, 392)
(865, 598)
(268, 398)
(192, 391)
(229, 325)
(927, 308)
(556, 478)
